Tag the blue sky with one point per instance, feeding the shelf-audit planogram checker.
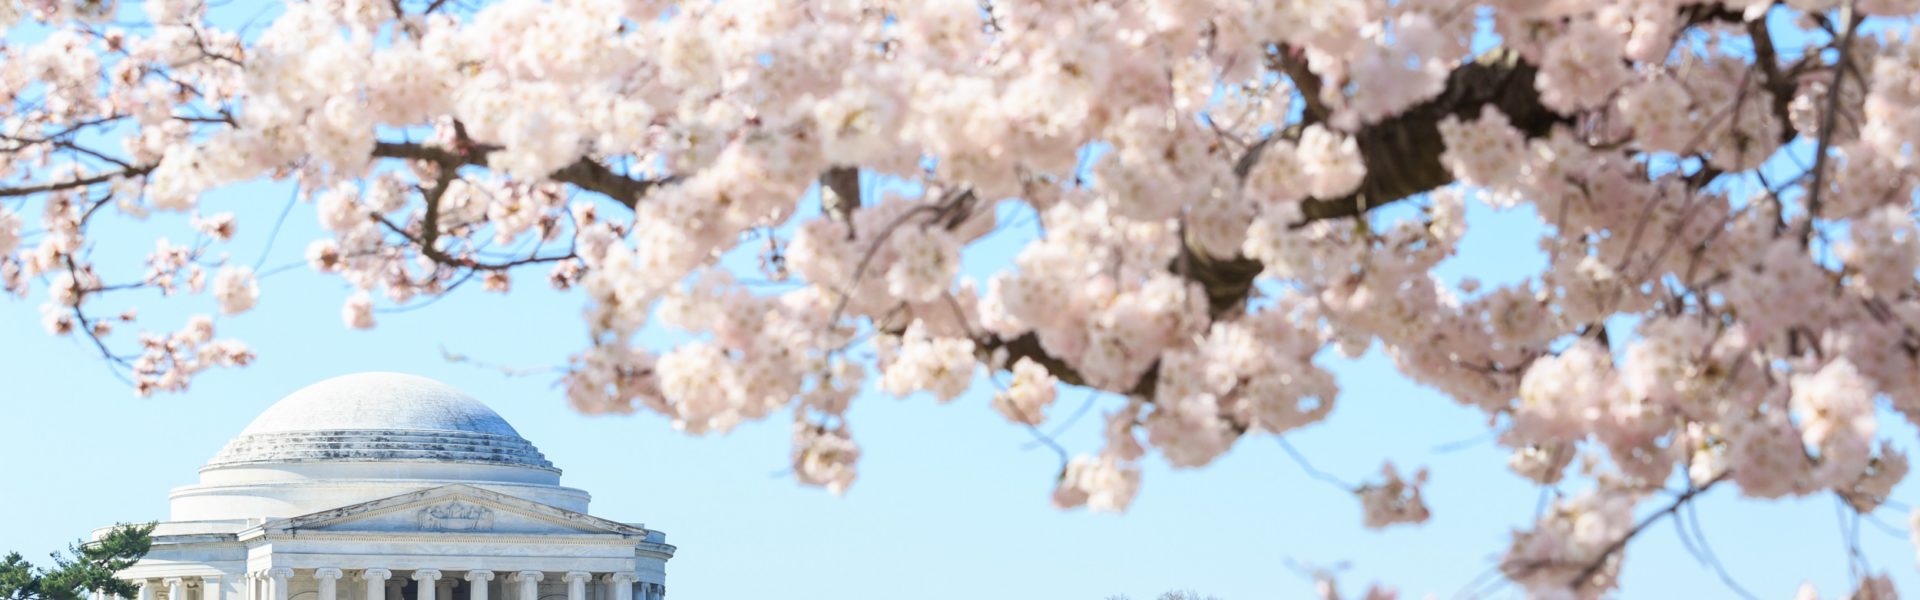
(948, 505)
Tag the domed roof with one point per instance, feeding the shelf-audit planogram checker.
(380, 401)
(379, 417)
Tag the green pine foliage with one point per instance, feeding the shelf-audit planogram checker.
(89, 566)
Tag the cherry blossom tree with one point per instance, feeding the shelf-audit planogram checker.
(1726, 187)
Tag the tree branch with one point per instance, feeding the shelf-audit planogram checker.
(1779, 84)
(440, 257)
(845, 183)
(1293, 62)
(1403, 153)
(1829, 119)
(1586, 574)
(1403, 160)
(76, 183)
(585, 173)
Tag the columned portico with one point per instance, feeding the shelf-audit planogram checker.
(382, 486)
(458, 581)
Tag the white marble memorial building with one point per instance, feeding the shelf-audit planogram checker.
(382, 486)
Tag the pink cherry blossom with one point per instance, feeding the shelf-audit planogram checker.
(1100, 483)
(1393, 500)
(235, 289)
(357, 313)
(1028, 395)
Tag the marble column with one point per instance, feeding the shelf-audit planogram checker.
(529, 584)
(329, 578)
(477, 584)
(211, 588)
(577, 584)
(396, 589)
(280, 575)
(146, 590)
(376, 583)
(622, 586)
(443, 589)
(426, 577)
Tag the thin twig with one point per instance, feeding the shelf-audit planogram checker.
(1462, 444)
(1692, 517)
(1472, 588)
(1828, 120)
(504, 370)
(866, 259)
(1884, 527)
(274, 234)
(1586, 574)
(1313, 472)
(1092, 394)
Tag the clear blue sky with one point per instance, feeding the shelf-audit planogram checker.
(948, 504)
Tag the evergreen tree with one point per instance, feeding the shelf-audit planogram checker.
(92, 566)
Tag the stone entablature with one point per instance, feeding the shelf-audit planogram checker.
(379, 446)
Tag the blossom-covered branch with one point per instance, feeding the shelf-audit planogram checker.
(1223, 195)
(584, 173)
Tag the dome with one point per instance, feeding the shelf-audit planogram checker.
(379, 417)
(391, 401)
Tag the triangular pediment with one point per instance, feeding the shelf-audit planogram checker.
(452, 509)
